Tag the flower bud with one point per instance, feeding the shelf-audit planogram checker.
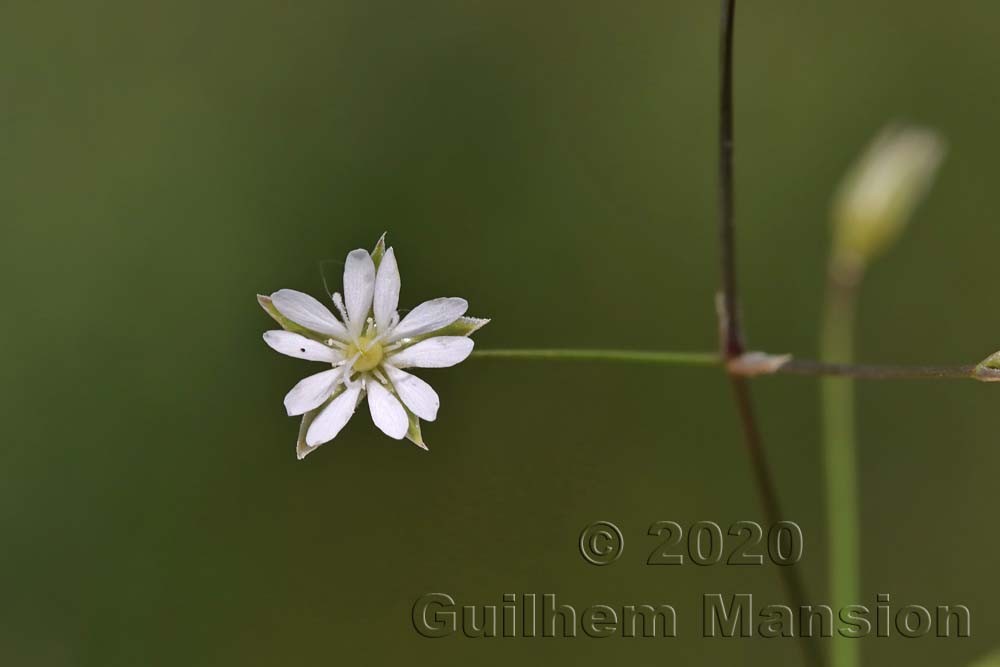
(988, 370)
(880, 192)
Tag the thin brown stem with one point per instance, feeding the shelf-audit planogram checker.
(730, 329)
(790, 576)
(730, 325)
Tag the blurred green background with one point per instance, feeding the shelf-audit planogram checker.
(161, 163)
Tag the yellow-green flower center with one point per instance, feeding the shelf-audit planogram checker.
(371, 354)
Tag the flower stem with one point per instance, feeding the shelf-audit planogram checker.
(805, 367)
(730, 329)
(627, 356)
(790, 575)
(839, 454)
(878, 372)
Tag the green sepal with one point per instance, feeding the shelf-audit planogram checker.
(302, 450)
(992, 361)
(413, 432)
(379, 252)
(287, 324)
(463, 326)
(988, 370)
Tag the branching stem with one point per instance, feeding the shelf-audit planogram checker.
(732, 356)
(730, 330)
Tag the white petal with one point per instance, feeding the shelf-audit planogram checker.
(386, 290)
(359, 283)
(387, 413)
(311, 392)
(437, 352)
(417, 395)
(308, 312)
(430, 316)
(334, 417)
(300, 347)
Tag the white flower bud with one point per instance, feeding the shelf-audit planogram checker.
(878, 195)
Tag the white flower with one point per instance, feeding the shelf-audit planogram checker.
(367, 350)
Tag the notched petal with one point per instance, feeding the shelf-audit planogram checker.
(417, 396)
(334, 417)
(311, 392)
(307, 312)
(300, 347)
(429, 316)
(359, 287)
(387, 412)
(303, 450)
(387, 285)
(440, 352)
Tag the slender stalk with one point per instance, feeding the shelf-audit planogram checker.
(839, 455)
(628, 356)
(805, 367)
(877, 372)
(791, 579)
(730, 330)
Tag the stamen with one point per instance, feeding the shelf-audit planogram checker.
(351, 384)
(349, 368)
(378, 374)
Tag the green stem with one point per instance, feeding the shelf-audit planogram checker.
(883, 372)
(790, 367)
(629, 356)
(839, 450)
